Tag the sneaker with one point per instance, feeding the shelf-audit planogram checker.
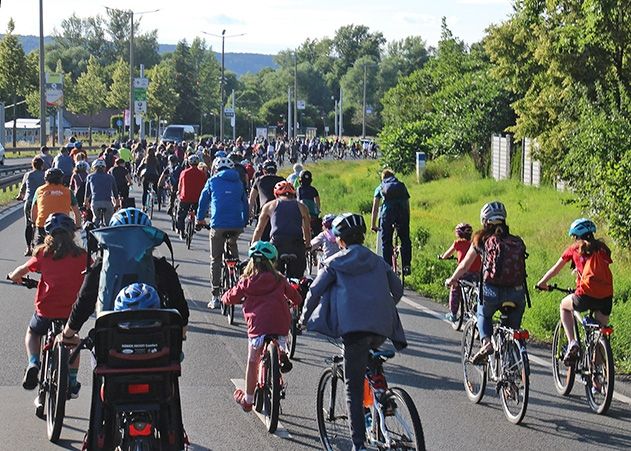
(73, 392)
(285, 363)
(407, 270)
(451, 317)
(480, 357)
(571, 354)
(214, 303)
(28, 252)
(31, 376)
(239, 397)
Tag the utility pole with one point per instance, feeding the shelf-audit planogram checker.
(132, 119)
(341, 128)
(234, 119)
(335, 123)
(42, 76)
(142, 119)
(289, 113)
(223, 87)
(295, 94)
(364, 105)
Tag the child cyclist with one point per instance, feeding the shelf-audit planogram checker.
(264, 293)
(594, 285)
(460, 247)
(61, 264)
(325, 240)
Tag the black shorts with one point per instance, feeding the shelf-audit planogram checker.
(583, 303)
(39, 325)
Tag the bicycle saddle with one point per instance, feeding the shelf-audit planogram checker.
(507, 306)
(385, 354)
(288, 257)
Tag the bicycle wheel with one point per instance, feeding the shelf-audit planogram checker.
(190, 230)
(331, 412)
(271, 394)
(516, 381)
(457, 325)
(474, 375)
(293, 334)
(599, 388)
(563, 375)
(150, 202)
(57, 392)
(230, 308)
(402, 421)
(41, 389)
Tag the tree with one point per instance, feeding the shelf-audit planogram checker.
(162, 94)
(90, 92)
(13, 78)
(186, 108)
(118, 95)
(351, 42)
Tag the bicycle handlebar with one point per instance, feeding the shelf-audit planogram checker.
(555, 288)
(26, 282)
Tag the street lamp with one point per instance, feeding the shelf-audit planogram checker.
(223, 80)
(42, 75)
(364, 101)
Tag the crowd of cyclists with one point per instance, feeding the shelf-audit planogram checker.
(228, 186)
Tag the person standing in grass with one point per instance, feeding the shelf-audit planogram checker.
(393, 213)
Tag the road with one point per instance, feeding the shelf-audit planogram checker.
(215, 356)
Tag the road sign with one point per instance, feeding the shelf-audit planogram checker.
(119, 123)
(142, 83)
(54, 89)
(300, 104)
(228, 109)
(140, 94)
(140, 106)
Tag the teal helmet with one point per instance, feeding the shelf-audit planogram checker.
(581, 227)
(263, 249)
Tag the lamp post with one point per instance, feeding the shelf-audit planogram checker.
(364, 101)
(42, 75)
(223, 79)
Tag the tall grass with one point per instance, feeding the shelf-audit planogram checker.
(541, 216)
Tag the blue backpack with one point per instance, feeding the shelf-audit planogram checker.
(127, 255)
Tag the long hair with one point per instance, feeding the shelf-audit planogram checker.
(500, 229)
(58, 245)
(150, 159)
(259, 265)
(588, 245)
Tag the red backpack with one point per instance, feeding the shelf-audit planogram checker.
(596, 280)
(504, 261)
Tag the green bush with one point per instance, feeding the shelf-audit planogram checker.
(400, 144)
(437, 169)
(420, 237)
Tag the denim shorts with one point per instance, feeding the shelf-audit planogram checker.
(39, 325)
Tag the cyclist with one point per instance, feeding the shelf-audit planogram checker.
(594, 285)
(325, 240)
(45, 155)
(61, 264)
(265, 294)
(52, 197)
(503, 280)
(290, 227)
(190, 185)
(308, 195)
(354, 297)
(101, 191)
(78, 179)
(395, 212)
(148, 172)
(166, 278)
(263, 190)
(460, 247)
(170, 178)
(32, 180)
(122, 178)
(294, 177)
(64, 162)
(225, 196)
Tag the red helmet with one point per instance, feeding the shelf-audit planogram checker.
(284, 188)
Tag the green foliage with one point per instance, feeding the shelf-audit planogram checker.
(420, 237)
(118, 96)
(399, 144)
(161, 93)
(437, 169)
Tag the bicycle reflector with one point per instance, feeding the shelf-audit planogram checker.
(138, 389)
(607, 330)
(139, 429)
(521, 335)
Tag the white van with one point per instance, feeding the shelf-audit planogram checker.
(176, 133)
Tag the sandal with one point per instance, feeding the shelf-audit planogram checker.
(572, 354)
(239, 397)
(480, 357)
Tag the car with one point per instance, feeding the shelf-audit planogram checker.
(176, 133)
(1, 155)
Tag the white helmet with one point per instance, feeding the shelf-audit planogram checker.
(222, 163)
(98, 163)
(193, 159)
(82, 165)
(493, 211)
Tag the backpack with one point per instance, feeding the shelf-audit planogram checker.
(596, 280)
(127, 258)
(392, 189)
(504, 261)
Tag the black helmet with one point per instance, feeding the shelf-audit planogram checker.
(347, 224)
(57, 221)
(306, 177)
(173, 159)
(270, 166)
(54, 175)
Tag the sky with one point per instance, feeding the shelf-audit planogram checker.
(272, 25)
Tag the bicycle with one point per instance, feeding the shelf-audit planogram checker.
(312, 260)
(595, 364)
(392, 420)
(174, 210)
(270, 386)
(230, 272)
(189, 226)
(508, 366)
(100, 218)
(469, 298)
(149, 201)
(53, 383)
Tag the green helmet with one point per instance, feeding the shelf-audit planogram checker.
(263, 249)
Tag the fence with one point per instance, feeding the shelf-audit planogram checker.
(500, 156)
(11, 176)
(531, 174)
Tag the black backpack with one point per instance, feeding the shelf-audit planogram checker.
(392, 189)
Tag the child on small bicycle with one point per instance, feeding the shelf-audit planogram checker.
(354, 297)
(61, 264)
(460, 247)
(325, 240)
(590, 258)
(265, 294)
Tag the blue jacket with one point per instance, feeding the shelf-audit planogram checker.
(226, 197)
(355, 292)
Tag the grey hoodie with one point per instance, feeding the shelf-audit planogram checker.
(355, 292)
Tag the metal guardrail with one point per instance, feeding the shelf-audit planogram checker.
(10, 181)
(11, 176)
(33, 150)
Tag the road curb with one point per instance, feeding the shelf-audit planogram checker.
(9, 210)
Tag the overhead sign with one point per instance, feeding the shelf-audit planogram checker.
(300, 104)
(142, 83)
(54, 89)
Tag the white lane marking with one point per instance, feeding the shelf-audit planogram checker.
(539, 361)
(281, 431)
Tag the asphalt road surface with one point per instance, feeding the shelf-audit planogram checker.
(215, 357)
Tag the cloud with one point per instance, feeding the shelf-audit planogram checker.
(222, 19)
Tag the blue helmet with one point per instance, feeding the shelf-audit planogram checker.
(220, 154)
(59, 221)
(130, 216)
(137, 296)
(582, 227)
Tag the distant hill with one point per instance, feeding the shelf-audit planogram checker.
(239, 63)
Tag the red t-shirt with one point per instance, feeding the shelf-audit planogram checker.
(191, 184)
(572, 254)
(462, 247)
(58, 285)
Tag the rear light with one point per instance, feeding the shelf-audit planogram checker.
(139, 429)
(231, 264)
(521, 335)
(607, 330)
(138, 389)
